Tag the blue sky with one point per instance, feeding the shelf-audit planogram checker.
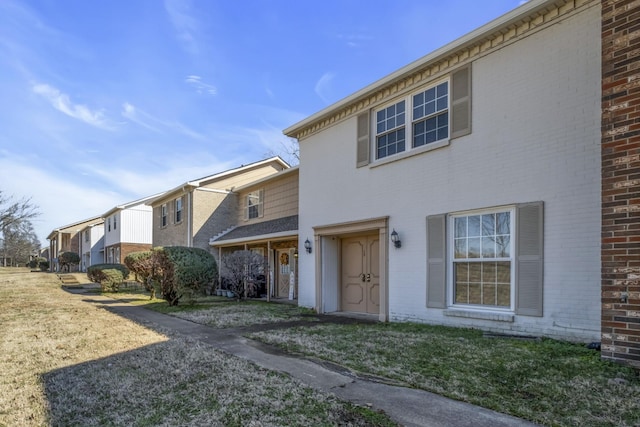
(103, 102)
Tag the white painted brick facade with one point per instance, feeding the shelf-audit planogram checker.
(536, 137)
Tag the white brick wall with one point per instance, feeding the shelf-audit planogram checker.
(536, 126)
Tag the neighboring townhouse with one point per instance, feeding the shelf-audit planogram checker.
(127, 228)
(464, 189)
(193, 212)
(92, 245)
(67, 239)
(267, 223)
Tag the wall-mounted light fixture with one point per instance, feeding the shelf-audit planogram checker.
(307, 246)
(395, 239)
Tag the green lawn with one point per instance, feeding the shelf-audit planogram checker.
(546, 381)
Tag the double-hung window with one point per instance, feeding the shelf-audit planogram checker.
(254, 202)
(482, 261)
(109, 224)
(490, 259)
(115, 222)
(178, 210)
(422, 120)
(163, 215)
(428, 117)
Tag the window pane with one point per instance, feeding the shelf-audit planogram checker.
(429, 108)
(488, 224)
(503, 225)
(443, 89)
(460, 248)
(418, 99)
(503, 248)
(503, 272)
(441, 104)
(488, 247)
(504, 295)
(488, 272)
(489, 294)
(400, 107)
(460, 227)
(473, 247)
(475, 293)
(474, 226)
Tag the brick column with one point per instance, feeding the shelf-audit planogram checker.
(621, 181)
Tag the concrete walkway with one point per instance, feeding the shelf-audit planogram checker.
(409, 407)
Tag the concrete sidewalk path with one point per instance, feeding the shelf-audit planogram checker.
(407, 406)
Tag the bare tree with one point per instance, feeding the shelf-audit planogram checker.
(289, 151)
(14, 211)
(240, 271)
(17, 238)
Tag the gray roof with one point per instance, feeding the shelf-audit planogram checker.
(280, 225)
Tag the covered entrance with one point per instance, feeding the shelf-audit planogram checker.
(360, 265)
(351, 260)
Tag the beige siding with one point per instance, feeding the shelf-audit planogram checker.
(243, 178)
(280, 199)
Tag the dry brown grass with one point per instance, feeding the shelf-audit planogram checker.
(43, 328)
(66, 361)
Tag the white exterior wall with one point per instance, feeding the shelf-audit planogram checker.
(134, 225)
(112, 236)
(137, 223)
(535, 137)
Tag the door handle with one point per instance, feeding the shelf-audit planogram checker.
(363, 277)
(368, 277)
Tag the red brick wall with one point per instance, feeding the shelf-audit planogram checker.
(621, 181)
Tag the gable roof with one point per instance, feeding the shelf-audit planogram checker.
(212, 178)
(507, 28)
(74, 226)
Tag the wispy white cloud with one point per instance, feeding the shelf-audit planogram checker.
(141, 118)
(61, 102)
(200, 86)
(183, 20)
(148, 121)
(323, 87)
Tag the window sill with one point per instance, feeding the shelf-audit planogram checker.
(483, 315)
(412, 152)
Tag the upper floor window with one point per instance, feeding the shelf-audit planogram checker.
(429, 121)
(86, 235)
(178, 209)
(115, 222)
(253, 208)
(109, 224)
(163, 215)
(420, 121)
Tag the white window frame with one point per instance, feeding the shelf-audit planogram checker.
(115, 222)
(409, 122)
(109, 224)
(259, 205)
(163, 215)
(451, 261)
(177, 204)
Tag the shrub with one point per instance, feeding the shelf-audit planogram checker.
(111, 280)
(43, 265)
(143, 265)
(67, 259)
(35, 263)
(110, 276)
(184, 271)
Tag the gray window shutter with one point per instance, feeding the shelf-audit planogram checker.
(362, 158)
(529, 259)
(436, 261)
(461, 102)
